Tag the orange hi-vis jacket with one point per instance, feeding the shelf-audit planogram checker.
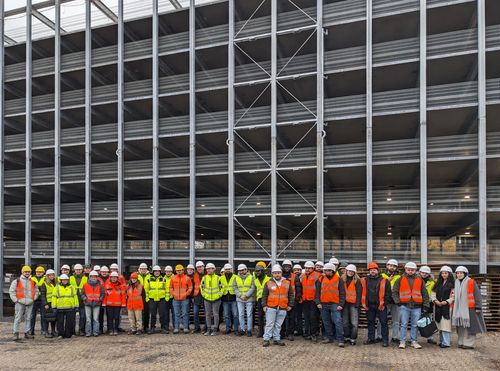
(414, 293)
(180, 286)
(278, 295)
(115, 294)
(134, 296)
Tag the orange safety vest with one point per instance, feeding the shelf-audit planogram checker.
(471, 302)
(134, 297)
(93, 293)
(278, 295)
(350, 292)
(308, 286)
(20, 289)
(329, 289)
(115, 295)
(197, 283)
(180, 287)
(406, 293)
(381, 293)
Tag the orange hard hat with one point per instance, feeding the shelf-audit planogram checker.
(373, 265)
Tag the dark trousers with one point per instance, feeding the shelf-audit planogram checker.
(371, 314)
(169, 313)
(113, 316)
(288, 326)
(48, 321)
(82, 320)
(65, 322)
(145, 315)
(311, 318)
(158, 308)
(101, 320)
(299, 322)
(261, 316)
(37, 307)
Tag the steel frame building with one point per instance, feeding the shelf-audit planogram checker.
(254, 129)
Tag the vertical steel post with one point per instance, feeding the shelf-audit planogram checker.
(369, 134)
(230, 130)
(423, 131)
(29, 77)
(481, 55)
(320, 235)
(274, 119)
(2, 193)
(119, 151)
(57, 135)
(156, 132)
(88, 132)
(192, 131)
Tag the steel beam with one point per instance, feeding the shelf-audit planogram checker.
(57, 135)
(274, 120)
(88, 132)
(2, 193)
(230, 130)
(423, 131)
(192, 131)
(29, 77)
(108, 12)
(120, 116)
(42, 18)
(482, 191)
(320, 78)
(156, 133)
(369, 133)
(176, 4)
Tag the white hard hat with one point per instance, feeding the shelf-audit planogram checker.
(104, 269)
(65, 266)
(50, 271)
(446, 268)
(392, 262)
(143, 266)
(200, 264)
(93, 273)
(287, 262)
(190, 266)
(461, 268)
(329, 266)
(228, 266)
(320, 263)
(168, 268)
(63, 277)
(309, 264)
(97, 268)
(411, 265)
(114, 274)
(211, 265)
(78, 266)
(276, 268)
(156, 268)
(334, 261)
(351, 267)
(114, 266)
(425, 269)
(297, 266)
(242, 267)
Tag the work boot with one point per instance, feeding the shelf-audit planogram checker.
(353, 342)
(176, 331)
(130, 332)
(151, 331)
(139, 332)
(249, 333)
(88, 335)
(369, 341)
(314, 338)
(49, 336)
(327, 341)
(207, 333)
(213, 333)
(164, 330)
(240, 333)
(394, 341)
(416, 345)
(385, 344)
(279, 342)
(16, 336)
(402, 344)
(431, 341)
(186, 331)
(265, 343)
(290, 337)
(27, 335)
(341, 345)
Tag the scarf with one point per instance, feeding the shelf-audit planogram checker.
(461, 304)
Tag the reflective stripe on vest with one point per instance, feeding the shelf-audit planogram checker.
(39, 281)
(308, 286)
(381, 293)
(244, 286)
(72, 293)
(278, 295)
(20, 289)
(406, 293)
(210, 287)
(330, 289)
(168, 296)
(350, 292)
(156, 288)
(470, 294)
(227, 287)
(391, 280)
(49, 288)
(260, 286)
(93, 293)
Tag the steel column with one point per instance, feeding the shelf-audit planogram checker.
(423, 131)
(192, 131)
(482, 191)
(320, 78)
(119, 151)
(369, 134)
(274, 119)
(230, 139)
(156, 133)
(88, 132)
(2, 193)
(29, 76)
(57, 135)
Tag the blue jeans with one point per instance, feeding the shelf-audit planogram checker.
(332, 317)
(196, 315)
(408, 314)
(82, 318)
(181, 309)
(274, 320)
(92, 320)
(445, 337)
(371, 315)
(248, 307)
(231, 315)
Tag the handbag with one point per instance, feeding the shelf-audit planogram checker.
(426, 326)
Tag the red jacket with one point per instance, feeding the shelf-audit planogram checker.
(134, 296)
(115, 294)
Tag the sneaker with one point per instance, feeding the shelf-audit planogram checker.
(279, 342)
(207, 333)
(213, 333)
(49, 336)
(86, 335)
(195, 331)
(186, 331)
(385, 344)
(265, 343)
(416, 345)
(352, 342)
(96, 335)
(402, 345)
(139, 332)
(327, 341)
(60, 337)
(341, 345)
(314, 338)
(443, 346)
(130, 332)
(151, 331)
(176, 331)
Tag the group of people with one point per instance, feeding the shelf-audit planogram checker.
(292, 301)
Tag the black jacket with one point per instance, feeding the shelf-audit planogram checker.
(372, 290)
(297, 283)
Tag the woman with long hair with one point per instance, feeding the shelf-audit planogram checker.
(441, 296)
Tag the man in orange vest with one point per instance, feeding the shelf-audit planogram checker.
(23, 292)
(309, 308)
(330, 299)
(277, 300)
(92, 296)
(375, 294)
(290, 323)
(410, 293)
(180, 289)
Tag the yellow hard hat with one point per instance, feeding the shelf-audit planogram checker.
(261, 264)
(40, 270)
(179, 267)
(26, 268)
